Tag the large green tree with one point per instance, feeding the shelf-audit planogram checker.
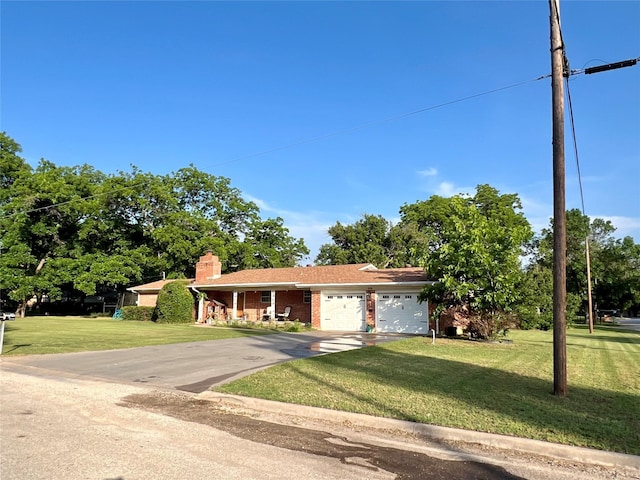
(75, 228)
(472, 245)
(372, 239)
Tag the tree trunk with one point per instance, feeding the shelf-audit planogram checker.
(22, 309)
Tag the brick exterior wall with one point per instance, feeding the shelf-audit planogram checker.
(315, 309)
(295, 299)
(147, 299)
(371, 308)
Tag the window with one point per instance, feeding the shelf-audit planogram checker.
(306, 296)
(265, 296)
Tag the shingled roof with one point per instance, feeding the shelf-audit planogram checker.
(154, 286)
(331, 275)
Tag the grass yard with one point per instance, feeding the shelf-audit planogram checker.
(498, 388)
(37, 335)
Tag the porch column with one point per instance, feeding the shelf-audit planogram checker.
(234, 312)
(200, 309)
(273, 304)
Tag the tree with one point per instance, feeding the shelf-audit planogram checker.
(267, 244)
(618, 282)
(76, 229)
(534, 308)
(371, 239)
(41, 223)
(614, 262)
(12, 166)
(472, 246)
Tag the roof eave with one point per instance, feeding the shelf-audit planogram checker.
(366, 284)
(246, 285)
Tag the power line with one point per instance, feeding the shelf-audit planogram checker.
(380, 122)
(309, 140)
(88, 197)
(575, 145)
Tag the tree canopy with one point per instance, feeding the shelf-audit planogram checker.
(473, 248)
(615, 263)
(472, 245)
(369, 240)
(76, 228)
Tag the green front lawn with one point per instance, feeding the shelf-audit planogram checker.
(499, 388)
(36, 335)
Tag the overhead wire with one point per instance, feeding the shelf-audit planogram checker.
(575, 144)
(306, 141)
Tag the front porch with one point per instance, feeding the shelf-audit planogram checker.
(254, 305)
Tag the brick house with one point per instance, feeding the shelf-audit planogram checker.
(148, 293)
(336, 297)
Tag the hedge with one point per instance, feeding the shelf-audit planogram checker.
(175, 303)
(140, 314)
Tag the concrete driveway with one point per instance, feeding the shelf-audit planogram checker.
(195, 366)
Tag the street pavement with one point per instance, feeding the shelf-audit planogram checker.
(76, 428)
(629, 323)
(139, 413)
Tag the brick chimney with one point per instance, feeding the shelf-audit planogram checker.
(208, 268)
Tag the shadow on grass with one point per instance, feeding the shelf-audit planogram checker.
(16, 347)
(602, 419)
(617, 339)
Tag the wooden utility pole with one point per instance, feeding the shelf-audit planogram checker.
(589, 293)
(559, 208)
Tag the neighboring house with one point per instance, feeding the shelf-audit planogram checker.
(148, 293)
(335, 297)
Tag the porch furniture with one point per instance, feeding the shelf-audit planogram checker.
(284, 315)
(268, 314)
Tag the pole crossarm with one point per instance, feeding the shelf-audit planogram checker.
(608, 66)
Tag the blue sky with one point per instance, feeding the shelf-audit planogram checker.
(301, 104)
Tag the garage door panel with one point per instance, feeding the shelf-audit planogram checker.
(343, 311)
(401, 312)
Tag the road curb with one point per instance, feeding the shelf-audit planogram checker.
(536, 447)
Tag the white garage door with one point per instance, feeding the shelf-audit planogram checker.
(344, 312)
(401, 313)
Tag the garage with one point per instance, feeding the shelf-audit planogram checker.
(401, 312)
(343, 311)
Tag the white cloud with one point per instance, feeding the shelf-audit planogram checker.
(448, 189)
(429, 172)
(445, 189)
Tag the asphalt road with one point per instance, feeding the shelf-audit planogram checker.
(629, 323)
